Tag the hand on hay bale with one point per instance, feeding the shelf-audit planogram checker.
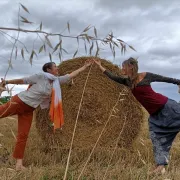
(100, 96)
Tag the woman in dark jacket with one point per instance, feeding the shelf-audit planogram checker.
(164, 119)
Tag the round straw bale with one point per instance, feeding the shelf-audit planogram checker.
(108, 110)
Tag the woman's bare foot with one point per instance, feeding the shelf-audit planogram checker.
(19, 165)
(20, 168)
(158, 170)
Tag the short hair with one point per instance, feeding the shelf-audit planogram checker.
(47, 66)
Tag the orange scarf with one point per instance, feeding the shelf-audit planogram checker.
(56, 110)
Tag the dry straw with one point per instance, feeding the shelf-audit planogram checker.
(100, 96)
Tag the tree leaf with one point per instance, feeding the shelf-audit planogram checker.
(28, 22)
(90, 37)
(116, 44)
(22, 53)
(60, 44)
(68, 26)
(50, 57)
(111, 36)
(121, 44)
(95, 32)
(85, 47)
(40, 27)
(124, 49)
(35, 54)
(91, 48)
(97, 44)
(105, 41)
(60, 58)
(97, 52)
(24, 8)
(87, 37)
(24, 20)
(64, 50)
(132, 48)
(41, 48)
(84, 34)
(113, 51)
(48, 42)
(31, 57)
(120, 40)
(110, 46)
(87, 28)
(75, 53)
(44, 47)
(56, 47)
(78, 40)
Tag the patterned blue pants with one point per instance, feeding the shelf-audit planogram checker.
(163, 128)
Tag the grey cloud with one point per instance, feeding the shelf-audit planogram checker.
(166, 50)
(165, 46)
(151, 27)
(118, 5)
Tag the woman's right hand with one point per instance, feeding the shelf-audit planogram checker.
(97, 61)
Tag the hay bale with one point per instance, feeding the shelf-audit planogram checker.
(100, 96)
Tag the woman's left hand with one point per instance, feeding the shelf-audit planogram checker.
(88, 63)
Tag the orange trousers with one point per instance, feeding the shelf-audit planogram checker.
(25, 115)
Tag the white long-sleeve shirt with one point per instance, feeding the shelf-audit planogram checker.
(40, 91)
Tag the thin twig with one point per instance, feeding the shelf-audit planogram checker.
(15, 39)
(6, 37)
(114, 148)
(111, 112)
(80, 104)
(48, 34)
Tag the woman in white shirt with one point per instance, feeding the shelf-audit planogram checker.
(42, 87)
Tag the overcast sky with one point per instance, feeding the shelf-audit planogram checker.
(151, 26)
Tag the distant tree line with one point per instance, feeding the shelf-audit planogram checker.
(4, 99)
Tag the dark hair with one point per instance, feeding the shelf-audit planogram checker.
(47, 66)
(134, 63)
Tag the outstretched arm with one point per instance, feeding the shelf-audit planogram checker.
(66, 78)
(76, 72)
(13, 81)
(119, 79)
(33, 79)
(158, 78)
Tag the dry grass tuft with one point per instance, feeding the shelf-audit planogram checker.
(130, 164)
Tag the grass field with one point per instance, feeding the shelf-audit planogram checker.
(129, 164)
